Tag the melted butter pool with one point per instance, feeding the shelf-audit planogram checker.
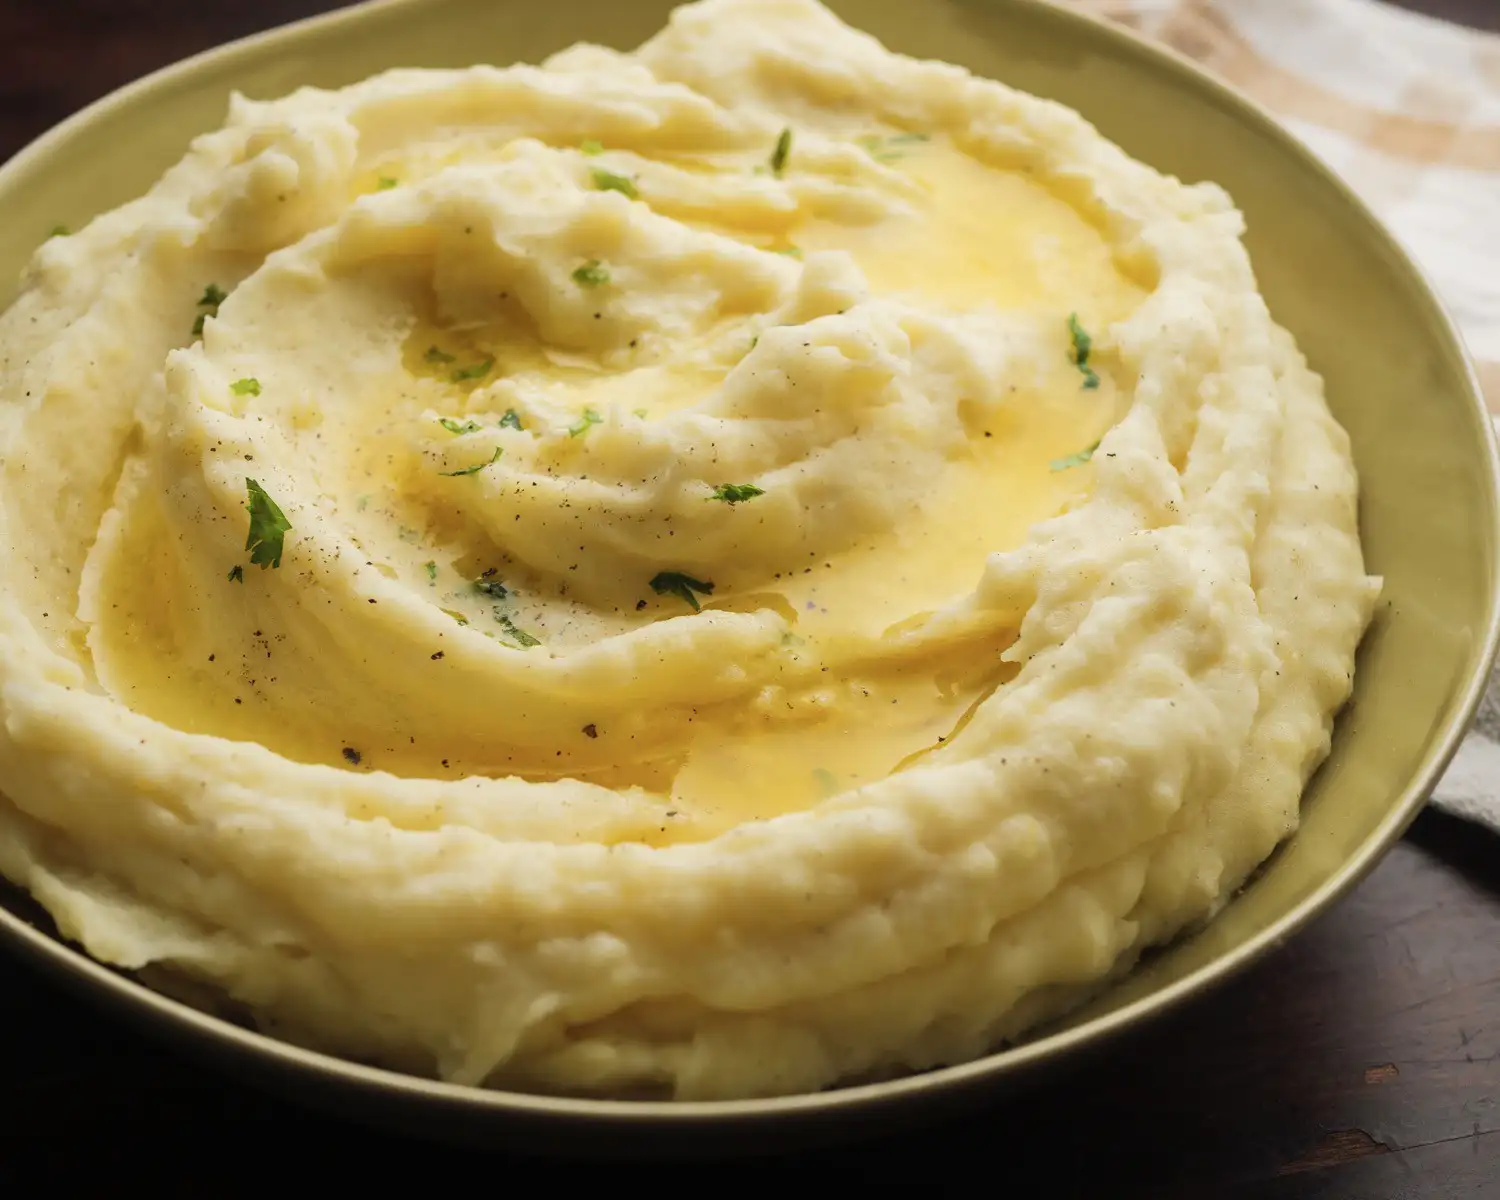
(848, 711)
(978, 236)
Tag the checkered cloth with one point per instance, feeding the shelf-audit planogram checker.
(1407, 110)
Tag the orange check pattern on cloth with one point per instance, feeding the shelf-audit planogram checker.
(1407, 110)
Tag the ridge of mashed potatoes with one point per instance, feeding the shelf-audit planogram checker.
(710, 655)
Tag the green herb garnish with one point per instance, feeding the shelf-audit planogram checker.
(608, 181)
(236, 574)
(1075, 460)
(59, 231)
(478, 371)
(591, 274)
(436, 356)
(827, 782)
(1083, 345)
(514, 631)
(782, 152)
(385, 183)
(581, 426)
(453, 426)
(675, 583)
(431, 569)
(268, 527)
(477, 467)
(213, 296)
(590, 147)
(790, 251)
(882, 149)
(488, 585)
(245, 387)
(511, 420)
(733, 493)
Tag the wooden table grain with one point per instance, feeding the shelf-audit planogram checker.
(1360, 1061)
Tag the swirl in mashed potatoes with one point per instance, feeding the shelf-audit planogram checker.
(713, 571)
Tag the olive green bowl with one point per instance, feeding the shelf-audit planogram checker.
(1397, 379)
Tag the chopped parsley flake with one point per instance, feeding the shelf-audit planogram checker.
(608, 181)
(1075, 460)
(478, 371)
(431, 569)
(591, 274)
(826, 780)
(782, 152)
(436, 356)
(477, 467)
(733, 493)
(352, 756)
(268, 527)
(1083, 345)
(590, 146)
(236, 574)
(385, 183)
(245, 387)
(457, 616)
(213, 296)
(790, 251)
(453, 426)
(511, 420)
(515, 632)
(581, 426)
(886, 149)
(491, 587)
(675, 583)
(59, 231)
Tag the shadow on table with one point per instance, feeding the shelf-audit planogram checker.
(1470, 849)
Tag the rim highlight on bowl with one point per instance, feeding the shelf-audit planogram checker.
(1398, 381)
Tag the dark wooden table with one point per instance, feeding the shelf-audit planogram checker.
(1363, 1060)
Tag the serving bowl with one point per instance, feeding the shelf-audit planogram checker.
(1397, 378)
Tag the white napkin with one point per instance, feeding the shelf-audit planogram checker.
(1407, 110)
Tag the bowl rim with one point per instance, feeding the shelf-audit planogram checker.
(133, 999)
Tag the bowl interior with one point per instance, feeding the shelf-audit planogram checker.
(1397, 378)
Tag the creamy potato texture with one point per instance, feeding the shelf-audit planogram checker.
(714, 571)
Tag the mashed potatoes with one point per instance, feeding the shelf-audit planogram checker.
(714, 571)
